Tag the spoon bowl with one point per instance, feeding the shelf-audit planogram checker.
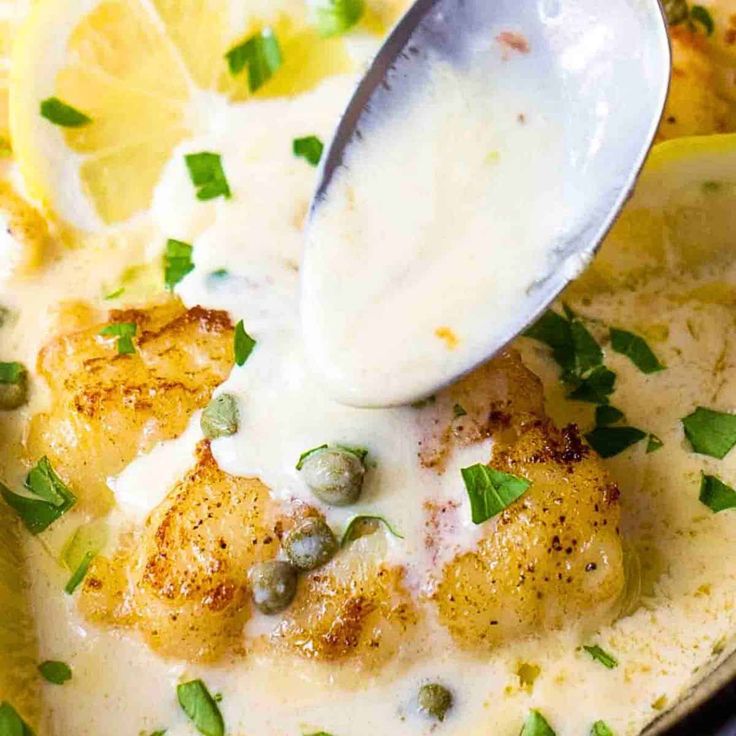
(591, 75)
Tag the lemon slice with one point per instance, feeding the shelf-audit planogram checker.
(680, 220)
(18, 675)
(146, 72)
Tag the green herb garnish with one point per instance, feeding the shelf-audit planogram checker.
(11, 724)
(654, 443)
(636, 349)
(610, 441)
(596, 387)
(710, 432)
(337, 16)
(114, 294)
(309, 148)
(124, 331)
(244, 344)
(59, 113)
(607, 414)
(207, 175)
(201, 708)
(307, 453)
(354, 527)
(600, 655)
(599, 728)
(55, 672)
(458, 411)
(261, 53)
(701, 15)
(79, 574)
(491, 491)
(715, 494)
(12, 373)
(177, 262)
(536, 725)
(51, 498)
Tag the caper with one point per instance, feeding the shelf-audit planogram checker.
(13, 386)
(334, 475)
(273, 585)
(310, 544)
(434, 700)
(677, 11)
(220, 418)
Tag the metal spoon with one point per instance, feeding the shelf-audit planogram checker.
(606, 66)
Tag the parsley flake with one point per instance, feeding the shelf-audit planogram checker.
(261, 53)
(51, 498)
(337, 16)
(309, 148)
(459, 411)
(244, 344)
(177, 262)
(701, 15)
(596, 387)
(610, 441)
(715, 494)
(636, 349)
(11, 724)
(536, 725)
(124, 331)
(359, 525)
(600, 655)
(599, 728)
(79, 574)
(55, 672)
(13, 373)
(710, 432)
(115, 294)
(607, 414)
(654, 444)
(59, 113)
(491, 491)
(207, 175)
(201, 708)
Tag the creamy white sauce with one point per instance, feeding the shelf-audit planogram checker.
(120, 687)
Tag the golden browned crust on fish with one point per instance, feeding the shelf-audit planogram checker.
(550, 559)
(106, 408)
(183, 584)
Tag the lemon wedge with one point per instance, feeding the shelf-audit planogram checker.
(680, 220)
(146, 74)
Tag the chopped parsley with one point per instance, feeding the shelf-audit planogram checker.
(201, 708)
(177, 262)
(710, 432)
(358, 524)
(600, 655)
(80, 573)
(59, 113)
(610, 441)
(115, 294)
(124, 331)
(11, 724)
(458, 411)
(701, 15)
(599, 728)
(207, 175)
(607, 414)
(55, 672)
(536, 725)
(309, 148)
(491, 491)
(261, 53)
(596, 387)
(337, 16)
(715, 494)
(636, 349)
(51, 497)
(243, 344)
(577, 353)
(654, 444)
(13, 373)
